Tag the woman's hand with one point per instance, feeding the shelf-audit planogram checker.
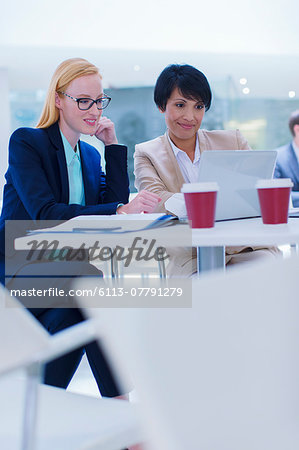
(145, 202)
(105, 131)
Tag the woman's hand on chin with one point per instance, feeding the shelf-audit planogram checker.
(105, 131)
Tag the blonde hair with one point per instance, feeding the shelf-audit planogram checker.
(66, 72)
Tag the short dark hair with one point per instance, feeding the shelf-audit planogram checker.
(192, 83)
(294, 120)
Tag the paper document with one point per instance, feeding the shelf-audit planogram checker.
(176, 205)
(109, 224)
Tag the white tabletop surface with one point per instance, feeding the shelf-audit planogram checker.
(233, 232)
(247, 231)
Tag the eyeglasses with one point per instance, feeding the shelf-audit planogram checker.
(86, 103)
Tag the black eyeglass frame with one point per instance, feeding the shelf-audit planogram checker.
(77, 100)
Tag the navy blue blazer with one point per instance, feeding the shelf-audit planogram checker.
(37, 185)
(287, 167)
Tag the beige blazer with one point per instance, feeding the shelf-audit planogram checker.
(156, 168)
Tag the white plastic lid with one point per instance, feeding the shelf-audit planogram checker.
(209, 186)
(274, 183)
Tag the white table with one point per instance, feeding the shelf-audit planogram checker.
(211, 242)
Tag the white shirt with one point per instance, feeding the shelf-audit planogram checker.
(188, 168)
(176, 203)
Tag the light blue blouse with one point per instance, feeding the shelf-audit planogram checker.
(74, 169)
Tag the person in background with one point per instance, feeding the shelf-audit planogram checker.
(53, 175)
(287, 163)
(183, 95)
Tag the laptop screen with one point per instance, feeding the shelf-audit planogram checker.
(236, 172)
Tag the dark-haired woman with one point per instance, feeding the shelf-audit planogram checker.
(182, 93)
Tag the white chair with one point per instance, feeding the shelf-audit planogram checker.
(52, 418)
(224, 374)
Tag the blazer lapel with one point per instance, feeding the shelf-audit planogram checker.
(90, 177)
(292, 163)
(203, 145)
(173, 169)
(56, 141)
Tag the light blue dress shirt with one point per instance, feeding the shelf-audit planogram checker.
(74, 169)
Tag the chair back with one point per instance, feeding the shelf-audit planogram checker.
(21, 335)
(223, 374)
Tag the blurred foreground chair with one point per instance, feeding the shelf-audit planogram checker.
(224, 374)
(52, 418)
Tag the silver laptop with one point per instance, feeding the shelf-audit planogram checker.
(236, 172)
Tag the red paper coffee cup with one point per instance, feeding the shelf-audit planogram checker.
(274, 197)
(200, 199)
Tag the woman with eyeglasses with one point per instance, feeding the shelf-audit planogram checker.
(53, 175)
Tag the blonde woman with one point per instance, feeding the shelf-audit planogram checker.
(53, 175)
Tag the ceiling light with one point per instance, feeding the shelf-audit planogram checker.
(292, 94)
(243, 81)
(246, 90)
(136, 68)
